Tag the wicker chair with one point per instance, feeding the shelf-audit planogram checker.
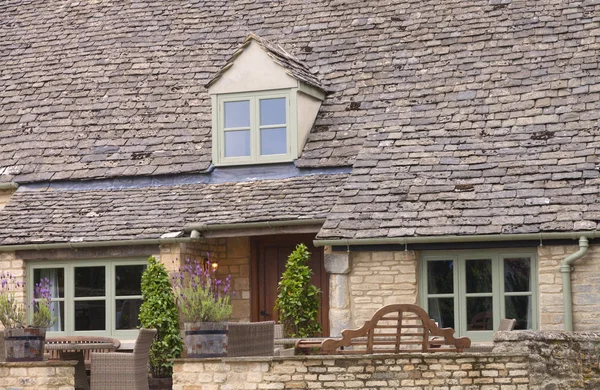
(2, 357)
(250, 339)
(123, 371)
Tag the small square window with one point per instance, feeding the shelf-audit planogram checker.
(253, 128)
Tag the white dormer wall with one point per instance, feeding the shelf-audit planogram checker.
(253, 70)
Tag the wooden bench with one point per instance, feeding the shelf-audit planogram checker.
(102, 341)
(395, 328)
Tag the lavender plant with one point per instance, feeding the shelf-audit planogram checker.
(13, 312)
(201, 296)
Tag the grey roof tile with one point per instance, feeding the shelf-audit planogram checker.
(497, 125)
(137, 213)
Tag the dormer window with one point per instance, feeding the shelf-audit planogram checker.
(255, 128)
(264, 103)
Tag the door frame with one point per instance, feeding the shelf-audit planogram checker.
(255, 262)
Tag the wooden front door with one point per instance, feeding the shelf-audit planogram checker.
(270, 254)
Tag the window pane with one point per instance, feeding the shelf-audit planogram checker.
(56, 277)
(480, 313)
(237, 143)
(90, 282)
(441, 310)
(237, 114)
(90, 315)
(517, 275)
(440, 277)
(519, 308)
(57, 308)
(273, 141)
(272, 112)
(127, 311)
(479, 276)
(128, 279)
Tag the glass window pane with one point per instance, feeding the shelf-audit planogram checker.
(237, 143)
(237, 114)
(519, 308)
(90, 281)
(441, 310)
(440, 277)
(90, 315)
(479, 276)
(273, 141)
(126, 315)
(480, 314)
(272, 112)
(517, 275)
(56, 277)
(128, 279)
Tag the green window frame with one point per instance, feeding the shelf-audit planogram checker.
(455, 283)
(254, 127)
(70, 298)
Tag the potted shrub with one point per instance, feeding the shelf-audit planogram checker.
(23, 341)
(205, 304)
(159, 311)
(297, 300)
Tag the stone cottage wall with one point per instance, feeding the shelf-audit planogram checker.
(443, 371)
(558, 361)
(585, 281)
(377, 279)
(4, 197)
(10, 264)
(58, 375)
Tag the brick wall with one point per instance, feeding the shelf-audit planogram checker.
(442, 371)
(378, 279)
(585, 281)
(57, 375)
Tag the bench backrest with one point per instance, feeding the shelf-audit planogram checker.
(395, 329)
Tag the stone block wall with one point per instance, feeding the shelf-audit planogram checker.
(4, 197)
(558, 361)
(10, 264)
(233, 257)
(585, 282)
(440, 371)
(59, 375)
(378, 279)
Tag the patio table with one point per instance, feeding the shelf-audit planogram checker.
(74, 351)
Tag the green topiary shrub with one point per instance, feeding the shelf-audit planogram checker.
(159, 311)
(297, 299)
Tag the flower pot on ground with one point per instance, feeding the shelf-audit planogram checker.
(205, 304)
(23, 341)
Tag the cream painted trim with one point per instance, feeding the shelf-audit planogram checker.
(218, 119)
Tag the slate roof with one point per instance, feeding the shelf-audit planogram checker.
(97, 89)
(290, 63)
(497, 125)
(50, 216)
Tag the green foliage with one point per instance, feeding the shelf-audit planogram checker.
(297, 299)
(202, 297)
(160, 311)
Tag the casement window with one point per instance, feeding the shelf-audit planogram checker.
(100, 298)
(254, 128)
(471, 291)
